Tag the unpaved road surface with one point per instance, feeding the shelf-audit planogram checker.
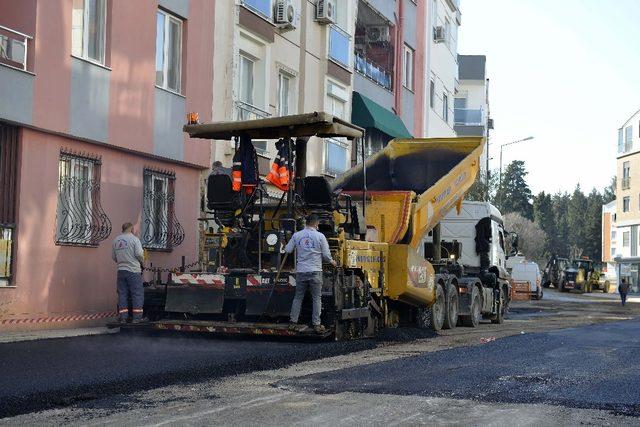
(565, 360)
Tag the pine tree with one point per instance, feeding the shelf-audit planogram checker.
(514, 194)
(560, 246)
(593, 226)
(609, 193)
(545, 219)
(577, 223)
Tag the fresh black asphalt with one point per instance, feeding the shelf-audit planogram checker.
(58, 372)
(585, 367)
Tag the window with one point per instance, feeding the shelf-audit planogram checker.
(246, 80)
(335, 159)
(432, 93)
(284, 83)
(613, 234)
(88, 29)
(626, 175)
(625, 239)
(407, 72)
(336, 100)
(447, 32)
(262, 7)
(628, 139)
(620, 141)
(625, 204)
(445, 108)
(168, 51)
(160, 227)
(8, 178)
(613, 252)
(80, 219)
(339, 46)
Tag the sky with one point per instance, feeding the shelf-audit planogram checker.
(566, 72)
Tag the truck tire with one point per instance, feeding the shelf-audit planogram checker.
(451, 318)
(498, 319)
(546, 284)
(561, 287)
(475, 313)
(433, 317)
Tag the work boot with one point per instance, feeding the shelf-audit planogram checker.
(137, 320)
(122, 320)
(319, 329)
(293, 326)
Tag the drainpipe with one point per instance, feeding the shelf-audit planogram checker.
(399, 57)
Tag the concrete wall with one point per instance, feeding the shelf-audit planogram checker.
(373, 91)
(89, 101)
(16, 95)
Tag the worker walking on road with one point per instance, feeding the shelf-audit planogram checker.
(311, 249)
(623, 289)
(128, 254)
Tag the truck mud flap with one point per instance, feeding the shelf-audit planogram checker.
(195, 293)
(263, 298)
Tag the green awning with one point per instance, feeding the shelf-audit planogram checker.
(367, 113)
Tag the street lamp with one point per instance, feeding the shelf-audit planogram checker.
(504, 145)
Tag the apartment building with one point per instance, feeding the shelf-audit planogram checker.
(282, 58)
(441, 74)
(388, 87)
(471, 114)
(93, 96)
(609, 240)
(628, 201)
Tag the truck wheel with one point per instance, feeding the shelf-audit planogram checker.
(546, 284)
(451, 318)
(498, 319)
(433, 317)
(561, 286)
(473, 319)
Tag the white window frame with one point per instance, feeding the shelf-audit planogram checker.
(626, 239)
(282, 99)
(242, 56)
(340, 144)
(168, 19)
(447, 32)
(408, 67)
(85, 34)
(432, 93)
(626, 205)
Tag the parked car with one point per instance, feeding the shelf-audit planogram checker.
(528, 271)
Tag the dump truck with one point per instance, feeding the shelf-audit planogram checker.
(374, 216)
(472, 256)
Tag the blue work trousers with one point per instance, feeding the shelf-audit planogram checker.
(313, 281)
(130, 285)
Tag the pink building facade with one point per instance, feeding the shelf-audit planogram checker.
(93, 96)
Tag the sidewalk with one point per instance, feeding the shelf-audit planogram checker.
(7, 337)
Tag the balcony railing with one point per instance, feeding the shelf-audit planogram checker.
(13, 48)
(246, 111)
(372, 71)
(626, 183)
(469, 117)
(339, 43)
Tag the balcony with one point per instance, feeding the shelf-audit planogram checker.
(373, 72)
(339, 46)
(13, 48)
(261, 7)
(469, 117)
(246, 111)
(626, 183)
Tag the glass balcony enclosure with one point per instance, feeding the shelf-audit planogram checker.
(262, 7)
(13, 48)
(339, 46)
(469, 117)
(374, 46)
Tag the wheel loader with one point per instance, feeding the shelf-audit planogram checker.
(374, 216)
(582, 276)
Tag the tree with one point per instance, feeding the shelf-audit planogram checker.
(560, 242)
(514, 194)
(577, 223)
(531, 238)
(544, 217)
(609, 193)
(479, 191)
(593, 226)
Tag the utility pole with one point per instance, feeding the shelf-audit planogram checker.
(500, 176)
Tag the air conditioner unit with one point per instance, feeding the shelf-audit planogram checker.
(378, 34)
(325, 12)
(286, 16)
(439, 34)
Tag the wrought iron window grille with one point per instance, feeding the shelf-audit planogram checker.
(81, 220)
(161, 229)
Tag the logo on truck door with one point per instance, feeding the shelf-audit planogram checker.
(418, 273)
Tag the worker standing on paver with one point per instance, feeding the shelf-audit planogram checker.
(623, 289)
(129, 255)
(311, 249)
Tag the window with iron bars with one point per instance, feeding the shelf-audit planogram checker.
(80, 221)
(161, 230)
(8, 178)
